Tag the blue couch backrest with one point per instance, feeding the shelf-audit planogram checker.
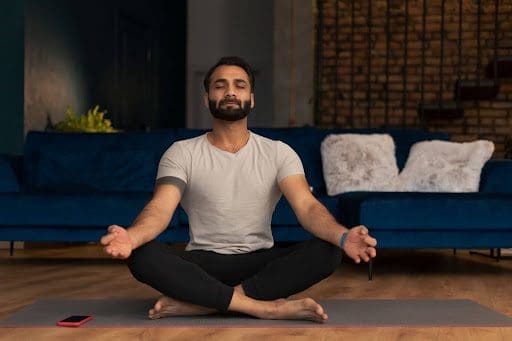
(495, 177)
(82, 162)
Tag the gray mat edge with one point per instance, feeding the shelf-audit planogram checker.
(222, 321)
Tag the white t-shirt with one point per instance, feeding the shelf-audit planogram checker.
(230, 197)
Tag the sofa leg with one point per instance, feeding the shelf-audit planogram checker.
(370, 269)
(454, 252)
(11, 248)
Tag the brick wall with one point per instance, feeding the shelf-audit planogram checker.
(351, 93)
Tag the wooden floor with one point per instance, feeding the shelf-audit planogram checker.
(84, 272)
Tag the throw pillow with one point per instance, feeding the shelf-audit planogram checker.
(359, 162)
(442, 166)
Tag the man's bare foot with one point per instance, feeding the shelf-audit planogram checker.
(281, 309)
(167, 306)
(303, 309)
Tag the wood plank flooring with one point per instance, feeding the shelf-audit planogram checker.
(84, 272)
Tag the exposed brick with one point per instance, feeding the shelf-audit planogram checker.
(463, 137)
(501, 105)
(502, 130)
(492, 119)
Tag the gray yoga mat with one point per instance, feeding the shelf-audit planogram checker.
(342, 313)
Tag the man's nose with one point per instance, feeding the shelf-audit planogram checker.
(230, 91)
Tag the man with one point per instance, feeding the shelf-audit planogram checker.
(229, 181)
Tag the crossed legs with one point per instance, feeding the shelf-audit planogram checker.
(256, 283)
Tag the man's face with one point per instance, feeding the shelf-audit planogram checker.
(230, 96)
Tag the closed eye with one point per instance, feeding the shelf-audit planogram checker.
(241, 84)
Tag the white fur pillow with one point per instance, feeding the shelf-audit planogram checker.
(442, 166)
(359, 162)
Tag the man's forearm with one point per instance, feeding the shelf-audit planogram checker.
(150, 222)
(320, 222)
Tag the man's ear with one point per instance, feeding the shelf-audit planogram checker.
(252, 100)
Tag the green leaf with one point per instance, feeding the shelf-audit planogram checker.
(93, 121)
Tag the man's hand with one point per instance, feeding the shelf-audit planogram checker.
(359, 245)
(118, 243)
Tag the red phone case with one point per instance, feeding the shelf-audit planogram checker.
(65, 323)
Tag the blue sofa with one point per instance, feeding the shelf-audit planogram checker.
(70, 187)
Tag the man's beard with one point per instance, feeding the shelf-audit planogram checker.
(227, 114)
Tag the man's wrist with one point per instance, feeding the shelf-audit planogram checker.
(343, 239)
(133, 240)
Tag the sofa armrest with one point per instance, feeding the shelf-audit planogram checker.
(8, 178)
(496, 176)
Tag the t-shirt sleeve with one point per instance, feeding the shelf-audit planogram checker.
(288, 162)
(173, 163)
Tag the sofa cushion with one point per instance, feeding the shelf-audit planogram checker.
(72, 156)
(496, 177)
(442, 166)
(8, 178)
(283, 214)
(96, 171)
(182, 216)
(19, 209)
(443, 239)
(426, 211)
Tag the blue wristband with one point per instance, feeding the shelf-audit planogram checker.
(343, 238)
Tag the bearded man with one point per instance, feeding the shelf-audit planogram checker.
(229, 181)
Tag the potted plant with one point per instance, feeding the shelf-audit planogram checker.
(92, 122)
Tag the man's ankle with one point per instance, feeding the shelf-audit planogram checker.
(240, 289)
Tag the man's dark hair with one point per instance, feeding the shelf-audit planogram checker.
(236, 61)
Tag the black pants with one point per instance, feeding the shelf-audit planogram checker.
(207, 278)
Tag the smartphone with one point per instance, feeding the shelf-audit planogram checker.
(74, 321)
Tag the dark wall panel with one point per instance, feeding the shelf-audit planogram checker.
(127, 56)
(11, 81)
